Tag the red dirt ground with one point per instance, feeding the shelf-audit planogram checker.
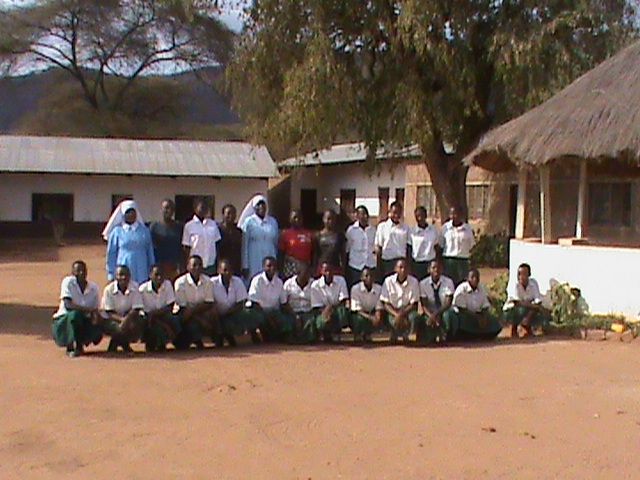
(550, 408)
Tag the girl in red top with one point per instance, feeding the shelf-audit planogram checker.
(295, 246)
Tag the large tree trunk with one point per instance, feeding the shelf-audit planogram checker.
(448, 177)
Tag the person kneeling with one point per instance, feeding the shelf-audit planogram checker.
(122, 304)
(76, 323)
(267, 296)
(158, 299)
(195, 300)
(329, 298)
(470, 317)
(399, 297)
(436, 296)
(297, 291)
(367, 314)
(230, 295)
(524, 304)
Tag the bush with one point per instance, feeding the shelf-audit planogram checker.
(498, 294)
(491, 251)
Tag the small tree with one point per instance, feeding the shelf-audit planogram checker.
(93, 39)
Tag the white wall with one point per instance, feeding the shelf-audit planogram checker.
(605, 275)
(92, 193)
(329, 180)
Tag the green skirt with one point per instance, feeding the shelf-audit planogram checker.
(463, 325)
(245, 320)
(361, 325)
(516, 315)
(415, 324)
(340, 319)
(156, 336)
(457, 269)
(75, 327)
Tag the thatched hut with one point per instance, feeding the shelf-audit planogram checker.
(583, 145)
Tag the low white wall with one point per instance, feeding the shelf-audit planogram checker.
(605, 275)
(92, 193)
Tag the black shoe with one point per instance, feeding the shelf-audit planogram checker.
(113, 346)
(231, 340)
(218, 341)
(199, 345)
(127, 348)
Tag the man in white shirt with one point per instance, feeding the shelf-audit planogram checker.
(267, 297)
(524, 303)
(76, 323)
(297, 291)
(195, 300)
(436, 297)
(400, 296)
(200, 236)
(470, 317)
(425, 244)
(122, 306)
(329, 297)
(391, 241)
(230, 296)
(367, 313)
(458, 239)
(158, 299)
(361, 250)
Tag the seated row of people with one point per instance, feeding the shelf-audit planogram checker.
(298, 310)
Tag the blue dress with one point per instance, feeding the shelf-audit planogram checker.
(131, 247)
(259, 240)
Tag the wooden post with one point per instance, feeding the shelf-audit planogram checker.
(545, 205)
(522, 202)
(582, 201)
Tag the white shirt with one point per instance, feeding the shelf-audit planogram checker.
(423, 243)
(69, 288)
(470, 299)
(458, 241)
(361, 246)
(298, 298)
(392, 239)
(227, 299)
(113, 300)
(201, 237)
(268, 294)
(190, 293)
(363, 300)
(323, 295)
(153, 300)
(519, 293)
(445, 287)
(400, 295)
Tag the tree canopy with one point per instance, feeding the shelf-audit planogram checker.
(430, 72)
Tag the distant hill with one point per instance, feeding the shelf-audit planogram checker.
(178, 106)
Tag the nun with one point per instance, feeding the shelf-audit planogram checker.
(128, 242)
(259, 236)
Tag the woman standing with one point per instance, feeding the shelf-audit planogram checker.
(295, 245)
(330, 245)
(458, 242)
(259, 236)
(128, 242)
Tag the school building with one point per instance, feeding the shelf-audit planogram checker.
(79, 181)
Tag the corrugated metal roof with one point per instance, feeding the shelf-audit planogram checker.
(348, 153)
(134, 157)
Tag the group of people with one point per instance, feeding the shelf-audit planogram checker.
(182, 284)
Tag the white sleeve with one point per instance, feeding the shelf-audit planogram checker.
(65, 288)
(317, 300)
(423, 288)
(356, 306)
(415, 292)
(283, 296)
(171, 296)
(254, 295)
(486, 303)
(344, 291)
(217, 235)
(209, 297)
(186, 235)
(384, 294)
(241, 290)
(459, 298)
(107, 299)
(378, 239)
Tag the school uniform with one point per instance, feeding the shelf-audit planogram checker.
(367, 301)
(436, 295)
(360, 250)
(155, 335)
(457, 244)
(190, 293)
(73, 326)
(201, 236)
(323, 295)
(467, 301)
(299, 300)
(400, 295)
(423, 243)
(270, 296)
(392, 239)
(515, 314)
(226, 299)
(121, 303)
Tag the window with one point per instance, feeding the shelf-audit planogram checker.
(185, 205)
(478, 201)
(50, 207)
(400, 195)
(116, 198)
(610, 204)
(427, 198)
(309, 207)
(383, 203)
(348, 203)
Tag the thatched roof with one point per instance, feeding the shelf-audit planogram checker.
(596, 117)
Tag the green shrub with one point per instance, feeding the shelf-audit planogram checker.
(491, 251)
(498, 293)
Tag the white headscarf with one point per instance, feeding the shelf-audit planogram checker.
(117, 217)
(250, 209)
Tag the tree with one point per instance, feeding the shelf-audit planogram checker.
(96, 39)
(437, 73)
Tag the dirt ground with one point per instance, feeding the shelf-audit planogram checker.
(549, 408)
